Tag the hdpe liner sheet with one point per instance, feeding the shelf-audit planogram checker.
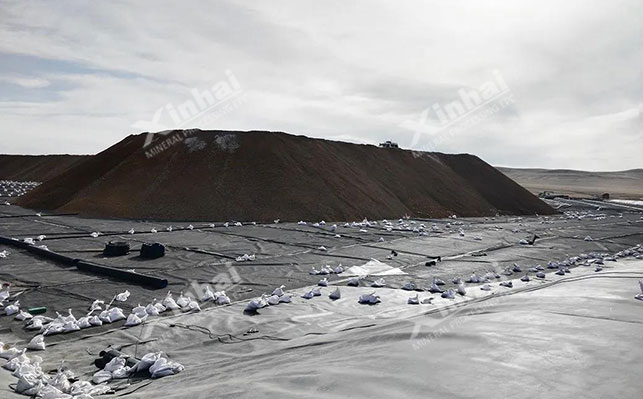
(336, 342)
(572, 336)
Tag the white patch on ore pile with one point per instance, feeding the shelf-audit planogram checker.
(227, 142)
(194, 144)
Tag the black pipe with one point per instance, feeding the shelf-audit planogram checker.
(120, 274)
(41, 216)
(108, 354)
(130, 277)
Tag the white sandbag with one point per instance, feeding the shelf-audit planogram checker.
(414, 300)
(273, 300)
(51, 392)
(369, 299)
(12, 309)
(353, 281)
(95, 321)
(96, 305)
(208, 295)
(115, 363)
(222, 298)
(379, 283)
(151, 310)
(163, 367)
(28, 384)
(80, 388)
(4, 293)
(120, 373)
(283, 299)
(335, 294)
(279, 291)
(640, 295)
(7, 352)
(61, 382)
(22, 316)
(169, 302)
(140, 311)
(104, 317)
(316, 291)
(255, 304)
(16, 361)
(246, 258)
(193, 306)
(30, 368)
(116, 314)
(122, 297)
(36, 323)
(37, 343)
(159, 306)
(53, 328)
(183, 301)
(83, 322)
(101, 376)
(133, 320)
(71, 326)
(146, 361)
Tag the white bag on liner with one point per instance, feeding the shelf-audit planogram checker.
(120, 373)
(116, 314)
(101, 376)
(7, 352)
(61, 382)
(37, 343)
(193, 306)
(22, 316)
(146, 361)
(183, 301)
(71, 326)
(114, 364)
(133, 320)
(151, 310)
(222, 298)
(163, 367)
(208, 295)
(83, 322)
(122, 297)
(12, 309)
(169, 302)
(139, 311)
(28, 384)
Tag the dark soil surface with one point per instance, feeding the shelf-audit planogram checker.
(261, 176)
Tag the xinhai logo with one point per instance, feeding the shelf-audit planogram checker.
(472, 106)
(471, 100)
(203, 102)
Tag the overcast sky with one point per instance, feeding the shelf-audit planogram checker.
(558, 82)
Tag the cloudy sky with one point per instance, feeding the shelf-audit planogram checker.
(553, 84)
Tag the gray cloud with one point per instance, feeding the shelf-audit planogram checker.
(361, 71)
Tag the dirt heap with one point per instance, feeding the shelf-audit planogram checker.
(261, 176)
(35, 167)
